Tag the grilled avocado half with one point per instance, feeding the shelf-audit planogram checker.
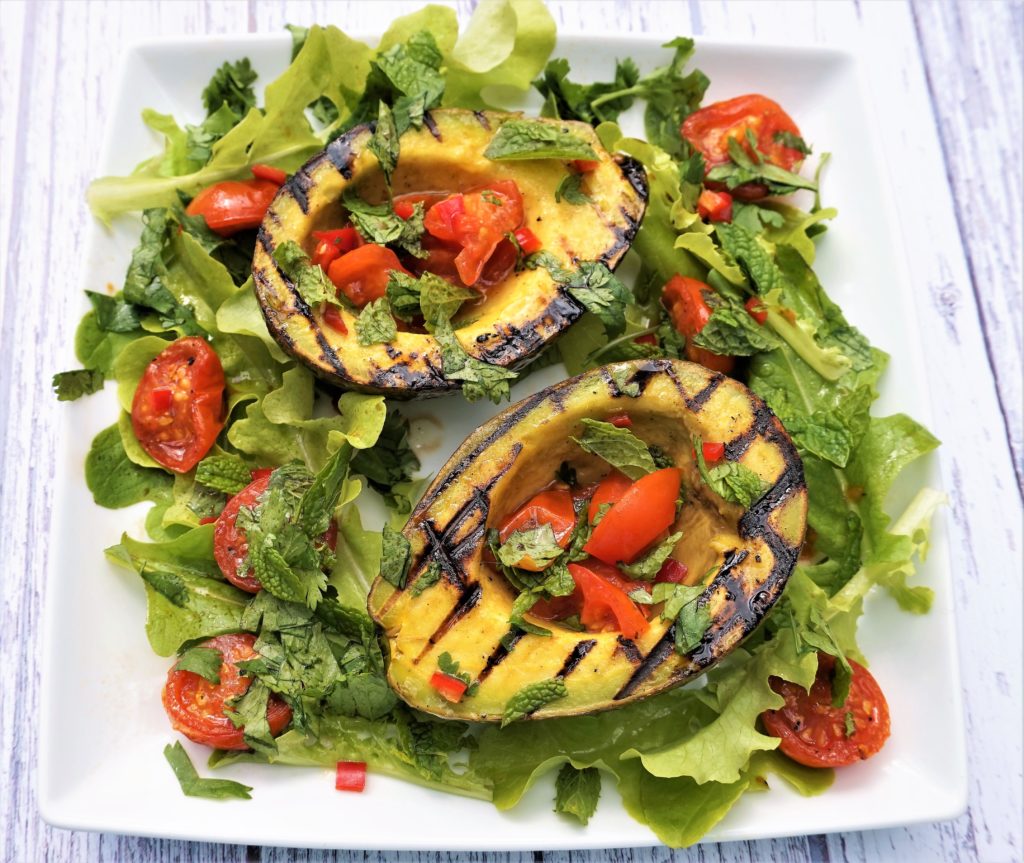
(516, 318)
(748, 555)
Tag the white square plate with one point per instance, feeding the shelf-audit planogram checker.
(103, 727)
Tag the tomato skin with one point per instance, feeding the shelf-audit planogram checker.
(179, 435)
(715, 206)
(609, 490)
(584, 166)
(646, 509)
(689, 310)
(813, 732)
(195, 706)
(450, 688)
(713, 451)
(270, 173)
(603, 603)
(233, 205)
(362, 274)
(757, 310)
(709, 130)
(230, 545)
(552, 506)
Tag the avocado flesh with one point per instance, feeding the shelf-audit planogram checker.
(466, 613)
(516, 319)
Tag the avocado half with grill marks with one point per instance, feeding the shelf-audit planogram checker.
(516, 318)
(748, 554)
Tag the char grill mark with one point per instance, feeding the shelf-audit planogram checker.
(431, 125)
(659, 653)
(628, 649)
(576, 656)
(761, 422)
(500, 653)
(340, 151)
(696, 402)
(298, 185)
(467, 601)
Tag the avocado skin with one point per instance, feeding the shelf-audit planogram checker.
(515, 320)
(503, 463)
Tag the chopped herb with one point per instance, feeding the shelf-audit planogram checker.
(570, 191)
(426, 579)
(851, 726)
(730, 480)
(618, 446)
(375, 324)
(395, 557)
(226, 473)
(537, 544)
(309, 280)
(72, 385)
(532, 698)
(536, 139)
(204, 661)
(193, 786)
(577, 792)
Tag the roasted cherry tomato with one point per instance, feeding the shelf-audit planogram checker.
(757, 309)
(710, 129)
(609, 490)
(196, 706)
(362, 274)
(233, 205)
(178, 408)
(477, 221)
(604, 604)
(815, 733)
(230, 545)
(715, 206)
(554, 507)
(646, 509)
(685, 299)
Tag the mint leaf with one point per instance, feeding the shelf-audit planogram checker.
(794, 142)
(226, 473)
(395, 557)
(249, 712)
(72, 385)
(403, 295)
(591, 103)
(730, 480)
(733, 332)
(426, 579)
(378, 223)
(594, 286)
(532, 698)
(577, 792)
(193, 786)
(618, 446)
(384, 143)
(440, 299)
(682, 604)
(648, 566)
(204, 661)
(570, 191)
(375, 324)
(536, 543)
(309, 280)
(479, 379)
(535, 139)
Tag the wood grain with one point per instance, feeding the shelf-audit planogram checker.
(946, 81)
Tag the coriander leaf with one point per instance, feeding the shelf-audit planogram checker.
(734, 332)
(384, 143)
(226, 473)
(569, 190)
(536, 546)
(113, 314)
(72, 385)
(536, 139)
(648, 566)
(375, 324)
(309, 280)
(231, 85)
(390, 462)
(403, 295)
(249, 712)
(204, 661)
(671, 97)
(618, 446)
(577, 792)
(532, 698)
(395, 557)
(426, 579)
(730, 480)
(479, 379)
(193, 786)
(566, 100)
(440, 299)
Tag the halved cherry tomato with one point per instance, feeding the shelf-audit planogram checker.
(230, 545)
(450, 688)
(715, 206)
(196, 706)
(528, 241)
(672, 571)
(757, 309)
(350, 776)
(621, 421)
(333, 319)
(710, 129)
(233, 205)
(583, 166)
(713, 451)
(476, 220)
(362, 274)
(685, 300)
(646, 509)
(269, 172)
(609, 490)
(178, 434)
(814, 733)
(554, 507)
(605, 604)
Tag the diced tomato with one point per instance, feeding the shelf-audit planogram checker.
(344, 239)
(350, 776)
(325, 254)
(528, 241)
(440, 220)
(605, 604)
(451, 688)
(362, 274)
(333, 319)
(646, 509)
(178, 408)
(672, 571)
(268, 172)
(584, 166)
(685, 299)
(621, 421)
(404, 209)
(233, 205)
(715, 206)
(553, 507)
(609, 490)
(713, 451)
(758, 310)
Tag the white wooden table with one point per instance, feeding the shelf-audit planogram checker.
(946, 80)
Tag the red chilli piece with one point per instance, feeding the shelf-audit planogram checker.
(333, 319)
(621, 421)
(585, 166)
(350, 776)
(672, 571)
(758, 310)
(268, 172)
(713, 451)
(450, 688)
(528, 241)
(161, 399)
(715, 206)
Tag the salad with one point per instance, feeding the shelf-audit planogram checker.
(263, 471)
